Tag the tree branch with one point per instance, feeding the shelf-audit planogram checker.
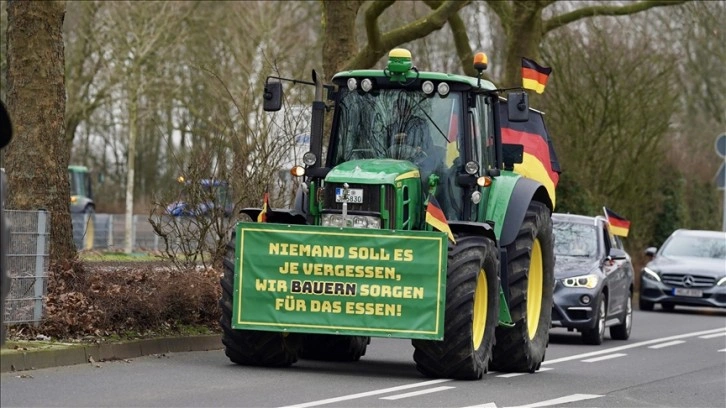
(369, 55)
(592, 11)
(461, 39)
(371, 22)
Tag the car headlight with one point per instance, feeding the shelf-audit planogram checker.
(582, 281)
(351, 220)
(650, 274)
(721, 282)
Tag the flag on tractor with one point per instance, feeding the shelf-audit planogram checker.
(262, 217)
(534, 76)
(436, 218)
(618, 224)
(539, 159)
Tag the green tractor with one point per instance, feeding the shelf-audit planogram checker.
(416, 221)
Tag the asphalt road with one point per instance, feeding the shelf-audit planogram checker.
(672, 359)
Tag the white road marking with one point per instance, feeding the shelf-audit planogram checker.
(510, 375)
(366, 394)
(633, 345)
(415, 393)
(710, 336)
(722, 351)
(670, 343)
(720, 331)
(560, 401)
(487, 405)
(607, 357)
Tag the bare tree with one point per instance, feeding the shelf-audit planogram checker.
(37, 160)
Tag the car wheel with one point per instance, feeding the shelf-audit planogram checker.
(596, 334)
(645, 305)
(668, 307)
(622, 330)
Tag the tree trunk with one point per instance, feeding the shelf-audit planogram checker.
(339, 44)
(133, 119)
(523, 39)
(37, 159)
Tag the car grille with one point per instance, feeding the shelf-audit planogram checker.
(371, 199)
(694, 281)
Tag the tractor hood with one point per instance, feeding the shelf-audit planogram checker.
(373, 171)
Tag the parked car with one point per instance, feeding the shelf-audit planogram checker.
(208, 198)
(688, 269)
(593, 279)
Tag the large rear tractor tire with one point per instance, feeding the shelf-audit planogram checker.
(471, 316)
(330, 347)
(530, 273)
(252, 347)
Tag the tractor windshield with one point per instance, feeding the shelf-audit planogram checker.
(397, 124)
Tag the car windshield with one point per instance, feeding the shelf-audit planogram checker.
(376, 124)
(575, 239)
(695, 246)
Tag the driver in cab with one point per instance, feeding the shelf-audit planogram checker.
(411, 138)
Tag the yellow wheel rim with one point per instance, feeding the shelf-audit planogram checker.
(481, 294)
(534, 289)
(90, 233)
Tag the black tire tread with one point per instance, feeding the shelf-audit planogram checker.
(251, 347)
(455, 356)
(330, 347)
(514, 351)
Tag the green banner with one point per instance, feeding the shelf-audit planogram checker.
(313, 279)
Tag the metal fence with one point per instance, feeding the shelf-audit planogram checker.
(28, 254)
(27, 265)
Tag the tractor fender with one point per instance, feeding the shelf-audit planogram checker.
(473, 228)
(283, 216)
(524, 192)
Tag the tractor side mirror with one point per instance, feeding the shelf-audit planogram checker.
(518, 106)
(272, 97)
(512, 154)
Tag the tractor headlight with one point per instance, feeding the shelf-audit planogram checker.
(351, 220)
(309, 158)
(582, 281)
(650, 274)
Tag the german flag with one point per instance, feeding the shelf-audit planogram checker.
(436, 218)
(262, 217)
(539, 161)
(534, 76)
(618, 224)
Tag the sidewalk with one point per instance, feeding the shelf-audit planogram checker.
(44, 355)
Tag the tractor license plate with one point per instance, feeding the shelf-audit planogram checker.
(687, 292)
(355, 195)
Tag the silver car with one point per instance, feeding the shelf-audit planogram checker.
(689, 269)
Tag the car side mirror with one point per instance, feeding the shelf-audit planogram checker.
(650, 252)
(272, 97)
(617, 254)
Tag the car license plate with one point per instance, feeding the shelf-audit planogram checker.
(355, 195)
(687, 292)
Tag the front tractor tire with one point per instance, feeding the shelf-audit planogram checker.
(252, 347)
(471, 316)
(530, 274)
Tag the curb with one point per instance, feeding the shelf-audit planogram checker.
(82, 354)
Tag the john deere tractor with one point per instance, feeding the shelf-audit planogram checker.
(414, 222)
